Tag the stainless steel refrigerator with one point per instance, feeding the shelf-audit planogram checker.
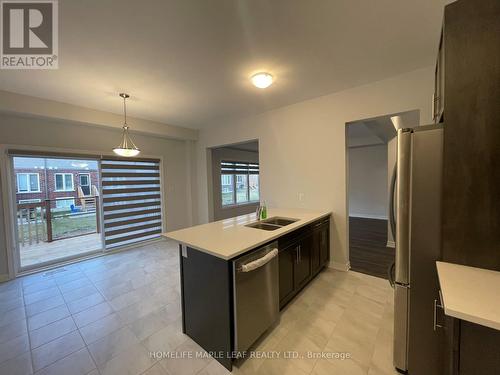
(416, 222)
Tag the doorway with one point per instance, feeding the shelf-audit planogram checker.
(371, 157)
(56, 212)
(85, 183)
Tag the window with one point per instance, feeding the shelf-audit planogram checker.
(64, 181)
(253, 187)
(241, 188)
(22, 201)
(65, 203)
(28, 183)
(239, 182)
(227, 188)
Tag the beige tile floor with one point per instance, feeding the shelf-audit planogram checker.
(107, 315)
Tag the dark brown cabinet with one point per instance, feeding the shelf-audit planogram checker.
(467, 71)
(286, 269)
(302, 255)
(320, 246)
(438, 97)
(471, 181)
(469, 349)
(303, 268)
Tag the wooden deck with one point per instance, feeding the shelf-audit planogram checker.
(50, 251)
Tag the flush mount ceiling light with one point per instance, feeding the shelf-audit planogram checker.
(262, 80)
(126, 148)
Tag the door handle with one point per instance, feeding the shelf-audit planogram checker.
(435, 324)
(297, 254)
(258, 262)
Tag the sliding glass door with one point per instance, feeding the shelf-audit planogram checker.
(57, 218)
(67, 207)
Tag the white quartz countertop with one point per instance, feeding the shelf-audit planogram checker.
(470, 293)
(229, 238)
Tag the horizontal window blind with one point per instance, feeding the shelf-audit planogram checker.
(131, 200)
(237, 167)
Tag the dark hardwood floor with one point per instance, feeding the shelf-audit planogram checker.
(368, 252)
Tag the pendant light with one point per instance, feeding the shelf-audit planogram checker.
(126, 148)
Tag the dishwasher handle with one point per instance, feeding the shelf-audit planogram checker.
(253, 265)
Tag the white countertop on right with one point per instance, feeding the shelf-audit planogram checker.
(470, 293)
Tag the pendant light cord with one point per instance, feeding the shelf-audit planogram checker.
(125, 111)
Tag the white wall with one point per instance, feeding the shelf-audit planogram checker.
(302, 146)
(368, 181)
(32, 131)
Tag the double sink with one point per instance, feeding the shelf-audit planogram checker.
(272, 223)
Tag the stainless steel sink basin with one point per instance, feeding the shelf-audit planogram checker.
(281, 221)
(272, 223)
(264, 226)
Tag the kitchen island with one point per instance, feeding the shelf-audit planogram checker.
(236, 274)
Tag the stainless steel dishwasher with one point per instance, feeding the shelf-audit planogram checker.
(256, 294)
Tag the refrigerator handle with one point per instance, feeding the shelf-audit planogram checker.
(392, 197)
(403, 187)
(390, 274)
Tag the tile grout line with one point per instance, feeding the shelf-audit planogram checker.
(71, 316)
(27, 330)
(85, 342)
(76, 330)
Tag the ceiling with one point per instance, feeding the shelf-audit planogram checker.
(380, 130)
(252, 146)
(187, 62)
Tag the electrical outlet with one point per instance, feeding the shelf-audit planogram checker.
(301, 197)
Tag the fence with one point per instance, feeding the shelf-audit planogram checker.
(39, 222)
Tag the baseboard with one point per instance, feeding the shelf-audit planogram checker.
(4, 277)
(391, 244)
(366, 216)
(340, 266)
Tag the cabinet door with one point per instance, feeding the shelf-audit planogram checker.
(287, 258)
(315, 251)
(303, 262)
(324, 244)
(479, 349)
(438, 99)
(449, 345)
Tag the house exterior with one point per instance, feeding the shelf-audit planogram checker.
(59, 185)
